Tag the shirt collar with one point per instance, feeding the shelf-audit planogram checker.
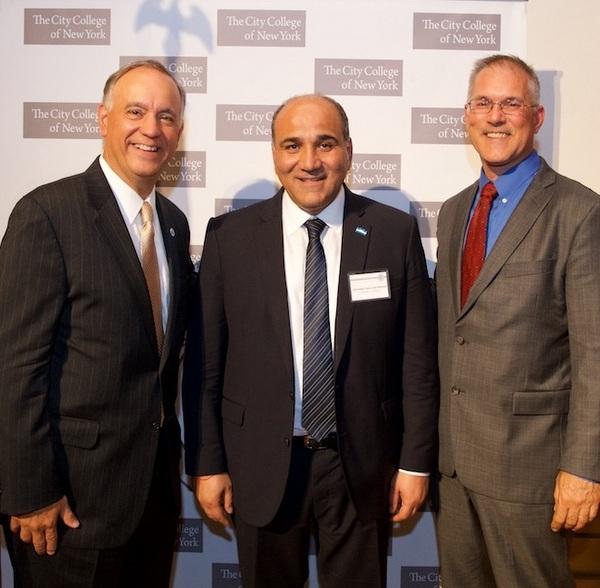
(510, 181)
(130, 202)
(294, 217)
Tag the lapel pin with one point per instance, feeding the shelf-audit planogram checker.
(172, 231)
(361, 231)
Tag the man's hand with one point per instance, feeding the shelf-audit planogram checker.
(215, 496)
(407, 494)
(39, 527)
(576, 502)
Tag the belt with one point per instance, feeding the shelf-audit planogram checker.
(308, 442)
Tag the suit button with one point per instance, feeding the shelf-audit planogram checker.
(460, 340)
(155, 426)
(455, 391)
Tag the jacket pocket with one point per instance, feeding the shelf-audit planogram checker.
(527, 268)
(76, 432)
(542, 402)
(233, 412)
(389, 408)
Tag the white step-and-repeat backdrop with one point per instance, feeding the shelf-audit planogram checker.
(399, 67)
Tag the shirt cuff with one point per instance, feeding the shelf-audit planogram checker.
(411, 473)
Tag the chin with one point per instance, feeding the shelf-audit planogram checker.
(146, 172)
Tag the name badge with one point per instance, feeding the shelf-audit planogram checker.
(372, 285)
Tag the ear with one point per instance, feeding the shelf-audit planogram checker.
(102, 115)
(349, 148)
(538, 117)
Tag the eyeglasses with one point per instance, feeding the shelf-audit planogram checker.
(510, 106)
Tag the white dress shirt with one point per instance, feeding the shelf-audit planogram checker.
(295, 242)
(130, 205)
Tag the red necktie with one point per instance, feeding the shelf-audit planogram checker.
(474, 251)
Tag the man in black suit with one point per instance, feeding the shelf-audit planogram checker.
(256, 441)
(94, 312)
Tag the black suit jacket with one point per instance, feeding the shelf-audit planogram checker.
(80, 375)
(238, 381)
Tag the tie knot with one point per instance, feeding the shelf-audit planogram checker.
(489, 192)
(315, 227)
(147, 215)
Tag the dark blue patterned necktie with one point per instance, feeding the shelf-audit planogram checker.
(318, 398)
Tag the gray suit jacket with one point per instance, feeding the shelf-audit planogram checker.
(81, 380)
(520, 363)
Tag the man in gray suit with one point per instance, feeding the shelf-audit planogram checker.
(518, 284)
(94, 280)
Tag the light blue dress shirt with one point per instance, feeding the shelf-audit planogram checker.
(511, 186)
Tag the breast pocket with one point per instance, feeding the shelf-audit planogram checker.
(527, 268)
(233, 412)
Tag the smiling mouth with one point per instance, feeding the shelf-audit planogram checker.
(147, 148)
(497, 134)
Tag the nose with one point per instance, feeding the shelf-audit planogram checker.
(150, 126)
(309, 158)
(496, 114)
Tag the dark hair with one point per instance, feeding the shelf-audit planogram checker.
(337, 105)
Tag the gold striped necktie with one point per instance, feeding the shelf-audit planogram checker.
(150, 268)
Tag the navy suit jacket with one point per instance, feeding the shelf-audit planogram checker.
(239, 383)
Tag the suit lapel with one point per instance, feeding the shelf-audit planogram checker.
(167, 226)
(354, 252)
(455, 247)
(268, 236)
(110, 223)
(519, 224)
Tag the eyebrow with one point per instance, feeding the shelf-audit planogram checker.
(318, 139)
(145, 107)
(327, 138)
(138, 104)
(169, 111)
(479, 96)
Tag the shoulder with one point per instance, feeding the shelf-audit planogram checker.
(565, 186)
(49, 200)
(57, 191)
(376, 213)
(66, 192)
(248, 216)
(452, 202)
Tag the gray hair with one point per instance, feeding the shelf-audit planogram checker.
(533, 82)
(109, 86)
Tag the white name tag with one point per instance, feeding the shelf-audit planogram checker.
(369, 285)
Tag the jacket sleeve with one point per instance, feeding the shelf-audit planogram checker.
(33, 295)
(420, 398)
(581, 449)
(204, 366)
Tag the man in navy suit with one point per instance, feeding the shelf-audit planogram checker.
(249, 437)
